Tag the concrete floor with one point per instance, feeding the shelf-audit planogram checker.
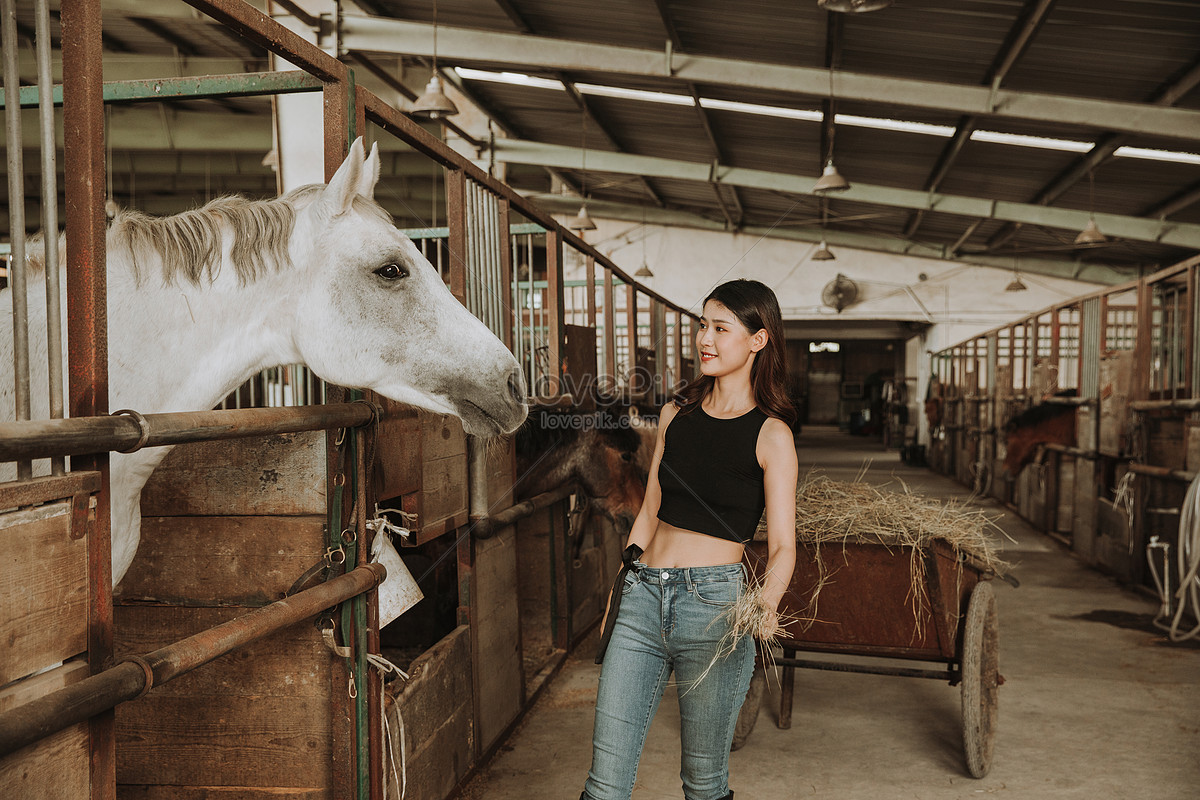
(1089, 710)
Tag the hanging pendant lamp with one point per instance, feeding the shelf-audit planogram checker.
(1091, 234)
(1016, 284)
(853, 6)
(433, 102)
(823, 253)
(643, 271)
(582, 221)
(830, 181)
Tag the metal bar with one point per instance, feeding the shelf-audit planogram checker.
(610, 330)
(16, 210)
(130, 680)
(487, 526)
(87, 329)
(54, 347)
(251, 24)
(505, 289)
(949, 674)
(1162, 472)
(238, 84)
(631, 321)
(554, 298)
(122, 433)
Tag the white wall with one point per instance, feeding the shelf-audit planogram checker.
(960, 300)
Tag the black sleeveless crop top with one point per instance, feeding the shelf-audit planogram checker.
(710, 476)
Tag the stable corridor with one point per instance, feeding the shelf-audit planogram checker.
(1091, 710)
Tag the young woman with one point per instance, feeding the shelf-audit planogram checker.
(724, 453)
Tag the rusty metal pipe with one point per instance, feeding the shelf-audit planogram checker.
(487, 527)
(1182, 404)
(1162, 472)
(125, 433)
(131, 679)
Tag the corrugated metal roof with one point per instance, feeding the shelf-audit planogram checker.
(1127, 51)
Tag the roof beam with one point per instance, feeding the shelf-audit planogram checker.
(1015, 44)
(518, 51)
(1168, 94)
(582, 104)
(1174, 204)
(1126, 227)
(1056, 267)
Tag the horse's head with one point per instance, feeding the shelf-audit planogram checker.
(1025, 433)
(600, 451)
(374, 313)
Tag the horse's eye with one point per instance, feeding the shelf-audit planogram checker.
(627, 456)
(392, 272)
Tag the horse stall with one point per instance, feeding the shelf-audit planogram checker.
(1095, 437)
(247, 656)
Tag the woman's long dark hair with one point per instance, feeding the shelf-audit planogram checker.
(757, 308)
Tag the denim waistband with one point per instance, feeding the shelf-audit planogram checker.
(690, 575)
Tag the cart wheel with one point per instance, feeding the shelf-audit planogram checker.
(750, 706)
(980, 679)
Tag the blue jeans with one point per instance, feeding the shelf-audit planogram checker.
(671, 619)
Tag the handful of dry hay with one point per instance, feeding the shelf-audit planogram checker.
(830, 511)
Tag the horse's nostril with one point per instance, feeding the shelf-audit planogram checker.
(516, 386)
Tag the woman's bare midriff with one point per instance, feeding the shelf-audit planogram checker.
(674, 547)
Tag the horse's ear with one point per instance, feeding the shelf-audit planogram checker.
(344, 185)
(370, 173)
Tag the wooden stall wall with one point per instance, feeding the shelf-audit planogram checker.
(44, 589)
(228, 527)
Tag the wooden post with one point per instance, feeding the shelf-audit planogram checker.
(610, 330)
(456, 221)
(631, 317)
(554, 294)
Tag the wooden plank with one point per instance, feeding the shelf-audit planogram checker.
(445, 490)
(43, 590)
(292, 663)
(442, 436)
(436, 706)
(398, 452)
(35, 686)
(256, 717)
(233, 740)
(56, 768)
(242, 561)
(271, 475)
(219, 793)
(48, 487)
(497, 657)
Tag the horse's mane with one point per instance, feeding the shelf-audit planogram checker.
(535, 437)
(1035, 415)
(189, 245)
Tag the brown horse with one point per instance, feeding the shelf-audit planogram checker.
(606, 452)
(1026, 433)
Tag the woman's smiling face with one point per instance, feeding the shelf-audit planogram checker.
(722, 341)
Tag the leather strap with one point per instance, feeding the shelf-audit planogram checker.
(631, 554)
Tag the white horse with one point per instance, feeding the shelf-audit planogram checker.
(201, 301)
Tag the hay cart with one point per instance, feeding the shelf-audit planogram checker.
(865, 607)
